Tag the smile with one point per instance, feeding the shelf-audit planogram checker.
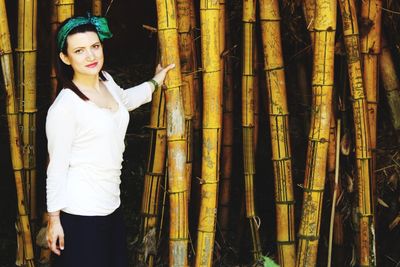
(92, 65)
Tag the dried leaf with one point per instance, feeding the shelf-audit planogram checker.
(393, 181)
(394, 223)
(382, 203)
(345, 144)
(350, 183)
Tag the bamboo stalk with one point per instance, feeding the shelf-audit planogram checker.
(12, 118)
(26, 86)
(197, 105)
(391, 85)
(371, 48)
(333, 166)
(279, 128)
(317, 152)
(54, 26)
(363, 128)
(96, 7)
(249, 18)
(178, 189)
(186, 59)
(336, 226)
(227, 138)
(65, 9)
(256, 93)
(309, 15)
(212, 122)
(155, 174)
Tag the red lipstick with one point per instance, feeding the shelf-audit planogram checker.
(92, 65)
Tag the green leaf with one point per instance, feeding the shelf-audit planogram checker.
(269, 262)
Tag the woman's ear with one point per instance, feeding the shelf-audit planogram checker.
(64, 58)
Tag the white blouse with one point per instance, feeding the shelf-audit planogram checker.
(85, 145)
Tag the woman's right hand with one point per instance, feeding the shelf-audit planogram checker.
(55, 233)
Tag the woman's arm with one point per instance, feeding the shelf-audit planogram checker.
(141, 94)
(60, 131)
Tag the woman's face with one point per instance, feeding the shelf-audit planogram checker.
(84, 54)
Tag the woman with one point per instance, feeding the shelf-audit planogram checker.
(85, 128)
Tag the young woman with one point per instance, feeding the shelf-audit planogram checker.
(85, 128)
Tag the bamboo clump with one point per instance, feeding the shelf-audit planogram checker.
(249, 18)
(279, 128)
(26, 87)
(176, 142)
(317, 152)
(154, 176)
(391, 85)
(212, 122)
(16, 153)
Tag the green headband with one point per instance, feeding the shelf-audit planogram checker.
(100, 24)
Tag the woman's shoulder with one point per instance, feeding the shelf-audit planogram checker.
(65, 100)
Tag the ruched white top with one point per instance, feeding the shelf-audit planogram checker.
(85, 145)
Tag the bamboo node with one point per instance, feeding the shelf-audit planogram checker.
(308, 237)
(4, 52)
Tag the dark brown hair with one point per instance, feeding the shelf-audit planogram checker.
(65, 72)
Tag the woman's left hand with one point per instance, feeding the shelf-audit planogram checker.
(161, 73)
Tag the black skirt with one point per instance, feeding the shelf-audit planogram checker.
(93, 241)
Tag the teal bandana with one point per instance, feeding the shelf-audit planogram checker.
(100, 24)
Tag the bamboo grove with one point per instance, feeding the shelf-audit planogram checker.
(268, 100)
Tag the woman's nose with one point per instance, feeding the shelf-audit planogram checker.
(90, 55)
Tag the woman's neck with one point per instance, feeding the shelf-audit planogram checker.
(87, 82)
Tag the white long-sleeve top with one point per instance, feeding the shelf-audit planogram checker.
(85, 145)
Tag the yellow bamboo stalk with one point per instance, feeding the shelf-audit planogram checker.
(26, 86)
(309, 15)
(371, 47)
(317, 152)
(391, 84)
(227, 138)
(249, 18)
(65, 9)
(168, 36)
(212, 122)
(362, 126)
(12, 118)
(186, 59)
(96, 7)
(155, 174)
(279, 128)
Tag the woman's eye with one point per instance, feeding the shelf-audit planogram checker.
(96, 46)
(78, 51)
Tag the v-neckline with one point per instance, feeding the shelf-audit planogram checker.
(113, 97)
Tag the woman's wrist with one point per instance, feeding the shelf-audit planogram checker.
(154, 83)
(54, 214)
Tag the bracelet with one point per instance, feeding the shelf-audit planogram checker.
(153, 82)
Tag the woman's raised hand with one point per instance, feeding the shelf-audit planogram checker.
(161, 72)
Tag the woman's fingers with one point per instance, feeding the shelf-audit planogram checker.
(53, 246)
(61, 240)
